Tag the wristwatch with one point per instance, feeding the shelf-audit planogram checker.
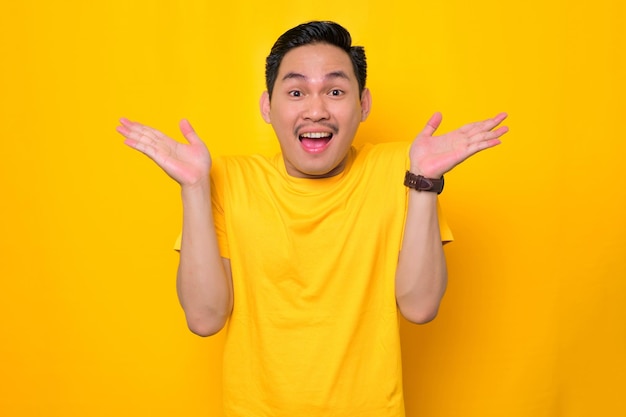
(420, 183)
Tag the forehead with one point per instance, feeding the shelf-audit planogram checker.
(314, 60)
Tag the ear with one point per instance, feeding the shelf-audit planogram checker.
(264, 105)
(366, 104)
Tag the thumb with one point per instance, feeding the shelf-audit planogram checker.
(432, 125)
(188, 132)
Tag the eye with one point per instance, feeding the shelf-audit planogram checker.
(295, 93)
(335, 92)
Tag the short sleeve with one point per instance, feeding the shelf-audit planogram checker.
(177, 243)
(218, 203)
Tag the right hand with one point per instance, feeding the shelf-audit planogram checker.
(188, 164)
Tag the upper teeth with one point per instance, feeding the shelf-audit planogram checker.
(315, 135)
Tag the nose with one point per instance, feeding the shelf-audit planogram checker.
(316, 109)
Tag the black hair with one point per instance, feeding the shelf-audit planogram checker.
(312, 33)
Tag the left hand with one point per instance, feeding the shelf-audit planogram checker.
(433, 156)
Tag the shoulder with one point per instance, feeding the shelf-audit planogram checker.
(387, 153)
(234, 171)
(239, 164)
(238, 161)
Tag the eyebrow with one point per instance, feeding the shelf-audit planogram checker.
(330, 75)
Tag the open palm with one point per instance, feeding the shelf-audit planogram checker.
(187, 164)
(433, 156)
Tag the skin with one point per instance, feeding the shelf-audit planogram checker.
(204, 281)
(316, 92)
(421, 276)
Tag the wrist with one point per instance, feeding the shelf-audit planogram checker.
(420, 182)
(415, 169)
(197, 189)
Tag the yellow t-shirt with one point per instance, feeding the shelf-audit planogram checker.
(314, 327)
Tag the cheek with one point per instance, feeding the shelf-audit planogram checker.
(348, 112)
(284, 116)
(351, 120)
(283, 126)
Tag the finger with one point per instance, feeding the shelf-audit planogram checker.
(489, 134)
(500, 117)
(482, 145)
(139, 137)
(137, 133)
(125, 122)
(140, 143)
(432, 125)
(188, 132)
(137, 141)
(500, 131)
(144, 147)
(486, 125)
(151, 134)
(129, 138)
(486, 140)
(124, 128)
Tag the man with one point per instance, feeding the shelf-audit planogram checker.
(308, 255)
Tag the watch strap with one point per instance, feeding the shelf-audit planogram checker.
(420, 183)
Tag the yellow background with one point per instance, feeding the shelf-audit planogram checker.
(533, 323)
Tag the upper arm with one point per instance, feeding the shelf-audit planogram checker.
(227, 270)
(229, 277)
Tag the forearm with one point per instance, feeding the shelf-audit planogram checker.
(204, 284)
(421, 276)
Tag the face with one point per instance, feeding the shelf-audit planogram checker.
(315, 109)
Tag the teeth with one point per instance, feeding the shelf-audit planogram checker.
(315, 135)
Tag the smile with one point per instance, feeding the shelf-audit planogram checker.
(315, 142)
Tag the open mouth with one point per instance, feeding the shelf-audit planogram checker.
(314, 142)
